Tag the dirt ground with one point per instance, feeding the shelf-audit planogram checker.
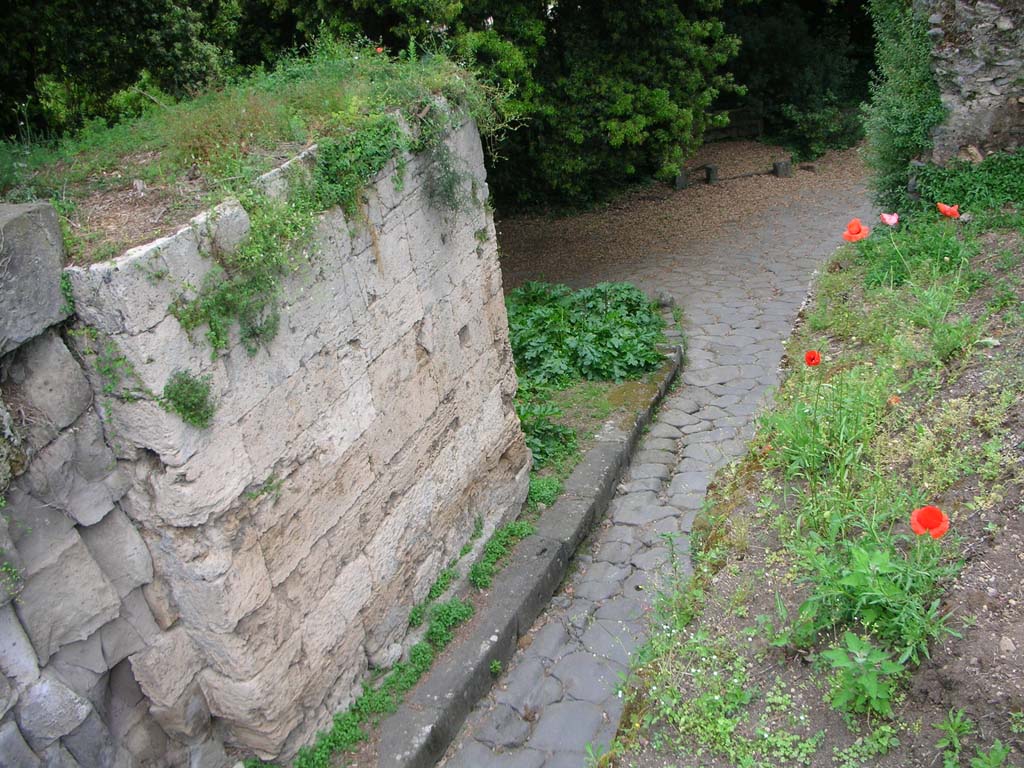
(609, 241)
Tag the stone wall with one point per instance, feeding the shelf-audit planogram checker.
(978, 60)
(187, 590)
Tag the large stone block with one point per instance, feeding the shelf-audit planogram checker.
(315, 499)
(264, 706)
(215, 592)
(132, 293)
(330, 623)
(66, 601)
(40, 533)
(78, 473)
(17, 657)
(14, 752)
(253, 643)
(7, 695)
(120, 551)
(80, 665)
(188, 718)
(32, 256)
(167, 667)
(48, 709)
(91, 743)
(46, 389)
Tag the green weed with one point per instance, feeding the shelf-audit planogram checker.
(481, 573)
(189, 397)
(866, 676)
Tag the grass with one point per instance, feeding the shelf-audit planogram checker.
(851, 447)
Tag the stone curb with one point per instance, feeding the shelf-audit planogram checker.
(417, 735)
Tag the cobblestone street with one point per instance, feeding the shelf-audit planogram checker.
(740, 288)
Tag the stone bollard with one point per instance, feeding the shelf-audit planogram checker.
(682, 182)
(711, 174)
(782, 168)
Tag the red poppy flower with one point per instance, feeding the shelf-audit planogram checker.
(953, 211)
(855, 231)
(931, 520)
(812, 358)
(894, 400)
(380, 49)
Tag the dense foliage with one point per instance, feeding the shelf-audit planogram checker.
(610, 93)
(805, 66)
(559, 336)
(905, 103)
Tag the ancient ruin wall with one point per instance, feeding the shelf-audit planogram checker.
(978, 60)
(184, 588)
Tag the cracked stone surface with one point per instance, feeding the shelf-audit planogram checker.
(740, 293)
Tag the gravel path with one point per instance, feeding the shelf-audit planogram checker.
(737, 257)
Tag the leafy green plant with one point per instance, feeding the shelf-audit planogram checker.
(996, 181)
(544, 489)
(954, 728)
(481, 574)
(905, 103)
(866, 676)
(993, 758)
(189, 397)
(495, 668)
(445, 618)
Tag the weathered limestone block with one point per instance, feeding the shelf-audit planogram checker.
(330, 623)
(315, 499)
(14, 752)
(132, 293)
(48, 709)
(188, 718)
(324, 407)
(161, 602)
(17, 658)
(129, 720)
(120, 551)
(221, 593)
(253, 643)
(31, 259)
(203, 487)
(66, 601)
(264, 706)
(78, 473)
(45, 388)
(165, 669)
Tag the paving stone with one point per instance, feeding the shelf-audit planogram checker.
(677, 418)
(641, 471)
(652, 484)
(566, 727)
(620, 533)
(617, 552)
(665, 430)
(690, 501)
(586, 676)
(566, 760)
(642, 515)
(503, 729)
(598, 590)
(703, 452)
(651, 559)
(717, 435)
(614, 640)
(550, 640)
(716, 374)
(528, 687)
(659, 444)
(657, 457)
(700, 426)
(625, 608)
(684, 403)
(689, 483)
